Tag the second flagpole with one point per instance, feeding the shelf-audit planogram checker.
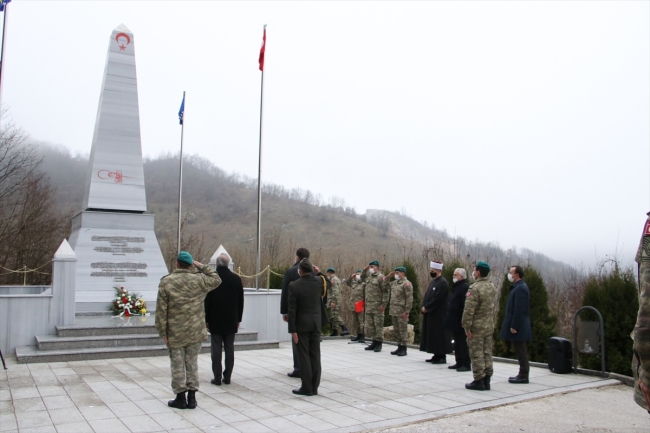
(181, 114)
(259, 170)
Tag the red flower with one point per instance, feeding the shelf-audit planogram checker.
(126, 313)
(124, 300)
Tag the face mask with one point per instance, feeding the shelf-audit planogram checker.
(511, 278)
(397, 277)
(358, 277)
(455, 280)
(433, 274)
(371, 271)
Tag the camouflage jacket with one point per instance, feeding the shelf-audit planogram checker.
(180, 313)
(335, 296)
(376, 292)
(641, 333)
(478, 315)
(401, 296)
(357, 292)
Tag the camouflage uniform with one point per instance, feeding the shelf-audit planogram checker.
(376, 296)
(357, 293)
(401, 301)
(335, 297)
(641, 333)
(180, 317)
(478, 318)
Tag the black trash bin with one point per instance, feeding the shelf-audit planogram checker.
(560, 355)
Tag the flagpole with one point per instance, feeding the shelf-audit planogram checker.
(259, 183)
(180, 179)
(2, 55)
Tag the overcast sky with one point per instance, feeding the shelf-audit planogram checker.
(524, 123)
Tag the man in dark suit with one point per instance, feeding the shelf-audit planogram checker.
(516, 324)
(223, 313)
(305, 321)
(433, 338)
(454, 318)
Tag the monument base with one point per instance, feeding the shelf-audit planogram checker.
(115, 249)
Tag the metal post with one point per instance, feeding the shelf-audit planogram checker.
(2, 55)
(180, 180)
(601, 334)
(24, 275)
(268, 278)
(259, 190)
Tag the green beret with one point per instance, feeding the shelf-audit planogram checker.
(331, 270)
(374, 263)
(185, 257)
(358, 270)
(482, 265)
(401, 269)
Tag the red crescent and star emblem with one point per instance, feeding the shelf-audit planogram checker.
(125, 36)
(117, 175)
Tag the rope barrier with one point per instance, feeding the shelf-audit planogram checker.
(253, 276)
(25, 271)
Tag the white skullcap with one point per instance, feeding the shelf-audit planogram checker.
(436, 265)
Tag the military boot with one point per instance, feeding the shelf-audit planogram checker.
(477, 385)
(335, 332)
(372, 345)
(191, 399)
(355, 338)
(402, 352)
(362, 338)
(179, 402)
(396, 351)
(486, 381)
(344, 331)
(378, 347)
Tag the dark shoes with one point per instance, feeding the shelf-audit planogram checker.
(486, 382)
(344, 331)
(396, 351)
(226, 381)
(294, 373)
(477, 385)
(179, 402)
(378, 347)
(401, 351)
(216, 382)
(518, 379)
(464, 368)
(334, 333)
(433, 358)
(299, 391)
(372, 345)
(439, 361)
(191, 399)
(452, 367)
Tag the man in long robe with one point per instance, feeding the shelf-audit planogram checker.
(434, 310)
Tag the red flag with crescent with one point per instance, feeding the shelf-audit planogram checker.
(262, 50)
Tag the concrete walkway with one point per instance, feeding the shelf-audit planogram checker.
(360, 390)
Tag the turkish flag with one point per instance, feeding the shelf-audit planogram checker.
(262, 50)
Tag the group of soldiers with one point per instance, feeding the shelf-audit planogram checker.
(371, 292)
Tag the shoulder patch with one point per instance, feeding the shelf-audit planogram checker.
(646, 229)
(408, 285)
(468, 294)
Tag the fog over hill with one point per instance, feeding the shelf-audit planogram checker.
(221, 208)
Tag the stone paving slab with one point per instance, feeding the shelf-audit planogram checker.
(360, 390)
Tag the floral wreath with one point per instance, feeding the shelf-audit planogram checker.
(128, 303)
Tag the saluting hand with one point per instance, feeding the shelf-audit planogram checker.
(316, 269)
(391, 274)
(197, 264)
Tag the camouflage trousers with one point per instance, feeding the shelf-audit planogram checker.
(375, 326)
(336, 320)
(358, 322)
(401, 330)
(185, 367)
(480, 353)
(640, 376)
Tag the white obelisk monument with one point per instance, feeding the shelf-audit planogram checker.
(112, 237)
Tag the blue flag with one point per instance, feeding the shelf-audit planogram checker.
(181, 111)
(3, 3)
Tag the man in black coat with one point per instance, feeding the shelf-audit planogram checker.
(305, 323)
(454, 319)
(516, 324)
(223, 313)
(434, 309)
(289, 276)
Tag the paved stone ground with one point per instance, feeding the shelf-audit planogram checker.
(606, 409)
(360, 390)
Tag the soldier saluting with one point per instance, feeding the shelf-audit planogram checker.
(376, 300)
(401, 301)
(180, 321)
